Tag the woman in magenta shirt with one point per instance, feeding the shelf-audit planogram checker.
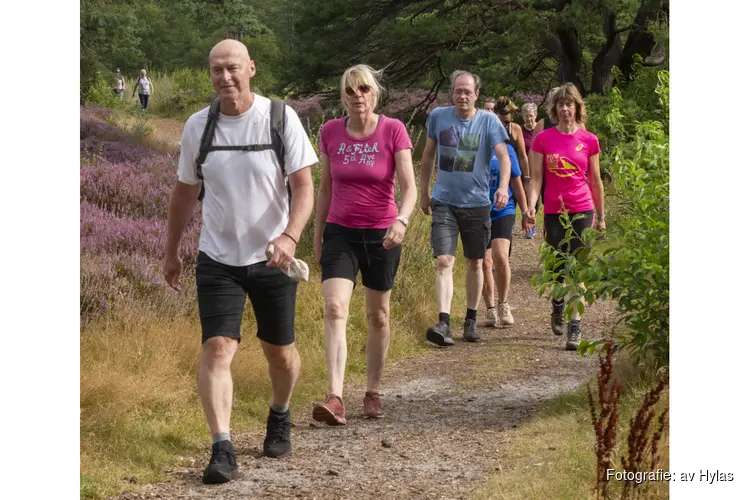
(359, 229)
(562, 156)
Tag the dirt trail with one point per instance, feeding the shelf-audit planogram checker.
(447, 415)
(167, 130)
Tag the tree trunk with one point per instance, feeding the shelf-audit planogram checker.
(608, 57)
(640, 41)
(567, 50)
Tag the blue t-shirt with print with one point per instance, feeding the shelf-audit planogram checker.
(464, 149)
(515, 171)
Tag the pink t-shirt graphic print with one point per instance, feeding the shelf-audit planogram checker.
(363, 173)
(566, 163)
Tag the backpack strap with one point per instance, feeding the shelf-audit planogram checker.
(278, 126)
(206, 140)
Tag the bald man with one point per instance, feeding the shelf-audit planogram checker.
(245, 210)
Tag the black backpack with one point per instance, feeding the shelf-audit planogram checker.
(278, 124)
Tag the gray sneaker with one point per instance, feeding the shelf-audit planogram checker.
(470, 331)
(440, 334)
(574, 336)
(557, 320)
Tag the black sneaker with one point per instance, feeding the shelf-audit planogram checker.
(278, 441)
(470, 331)
(440, 334)
(574, 336)
(558, 322)
(223, 464)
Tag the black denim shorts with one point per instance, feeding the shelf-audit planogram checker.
(347, 251)
(221, 300)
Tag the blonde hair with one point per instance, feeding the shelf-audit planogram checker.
(143, 72)
(506, 106)
(564, 93)
(362, 74)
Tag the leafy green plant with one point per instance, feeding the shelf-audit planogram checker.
(630, 265)
(100, 92)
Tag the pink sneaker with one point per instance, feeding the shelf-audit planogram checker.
(373, 405)
(332, 411)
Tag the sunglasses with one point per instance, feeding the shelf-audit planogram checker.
(364, 89)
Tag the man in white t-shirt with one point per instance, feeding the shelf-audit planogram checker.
(246, 208)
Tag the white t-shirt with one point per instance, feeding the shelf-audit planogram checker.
(144, 85)
(119, 81)
(246, 204)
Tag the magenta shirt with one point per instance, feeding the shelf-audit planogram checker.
(566, 163)
(363, 172)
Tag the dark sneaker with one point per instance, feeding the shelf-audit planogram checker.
(574, 336)
(331, 411)
(223, 464)
(278, 442)
(373, 405)
(470, 331)
(440, 334)
(558, 322)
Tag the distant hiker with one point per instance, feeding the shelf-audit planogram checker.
(529, 113)
(463, 138)
(359, 229)
(497, 255)
(489, 105)
(567, 157)
(505, 108)
(119, 83)
(144, 88)
(246, 209)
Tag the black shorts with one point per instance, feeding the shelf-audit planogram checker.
(554, 231)
(503, 228)
(221, 300)
(473, 224)
(347, 251)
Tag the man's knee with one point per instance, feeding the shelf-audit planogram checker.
(219, 350)
(445, 261)
(283, 357)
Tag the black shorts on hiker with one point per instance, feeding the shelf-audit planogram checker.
(503, 228)
(555, 232)
(144, 100)
(221, 300)
(473, 224)
(347, 251)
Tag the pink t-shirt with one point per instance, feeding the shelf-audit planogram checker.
(566, 163)
(363, 172)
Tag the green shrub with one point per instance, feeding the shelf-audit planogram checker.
(101, 92)
(630, 266)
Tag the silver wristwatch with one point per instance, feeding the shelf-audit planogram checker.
(403, 220)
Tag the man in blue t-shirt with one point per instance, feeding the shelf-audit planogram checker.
(498, 250)
(463, 139)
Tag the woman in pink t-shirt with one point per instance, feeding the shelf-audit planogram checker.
(566, 157)
(359, 229)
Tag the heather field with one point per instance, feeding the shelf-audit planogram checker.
(140, 345)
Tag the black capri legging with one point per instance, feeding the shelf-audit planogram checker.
(554, 232)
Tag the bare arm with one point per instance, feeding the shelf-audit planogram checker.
(518, 193)
(405, 172)
(285, 244)
(523, 159)
(181, 207)
(501, 195)
(535, 184)
(537, 128)
(425, 174)
(597, 188)
(323, 203)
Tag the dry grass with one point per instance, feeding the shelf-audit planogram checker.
(140, 411)
(553, 457)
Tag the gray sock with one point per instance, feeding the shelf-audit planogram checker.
(222, 436)
(279, 409)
